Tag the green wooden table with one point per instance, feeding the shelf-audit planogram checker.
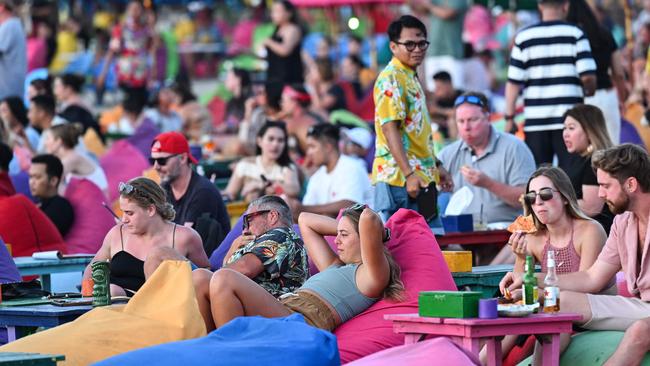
(31, 359)
(484, 279)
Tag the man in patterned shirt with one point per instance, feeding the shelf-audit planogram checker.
(404, 161)
(269, 252)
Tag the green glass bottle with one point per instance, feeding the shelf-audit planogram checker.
(529, 288)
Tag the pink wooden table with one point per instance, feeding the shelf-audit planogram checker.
(469, 332)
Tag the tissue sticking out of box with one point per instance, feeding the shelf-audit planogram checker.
(459, 202)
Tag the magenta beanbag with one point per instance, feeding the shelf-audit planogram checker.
(121, 163)
(423, 269)
(26, 228)
(441, 349)
(91, 220)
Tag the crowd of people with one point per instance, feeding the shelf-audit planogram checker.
(338, 145)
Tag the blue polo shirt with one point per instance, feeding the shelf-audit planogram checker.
(506, 159)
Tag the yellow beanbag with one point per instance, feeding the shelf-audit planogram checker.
(163, 310)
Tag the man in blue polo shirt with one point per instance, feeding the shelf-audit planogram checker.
(495, 166)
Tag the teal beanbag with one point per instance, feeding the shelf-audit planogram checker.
(590, 348)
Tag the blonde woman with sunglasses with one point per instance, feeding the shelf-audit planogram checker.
(145, 227)
(561, 227)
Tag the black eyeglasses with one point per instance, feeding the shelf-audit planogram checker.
(545, 194)
(410, 45)
(161, 161)
(250, 216)
(471, 99)
(125, 188)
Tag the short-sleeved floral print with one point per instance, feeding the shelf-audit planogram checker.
(399, 97)
(284, 258)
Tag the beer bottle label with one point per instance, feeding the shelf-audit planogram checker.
(550, 296)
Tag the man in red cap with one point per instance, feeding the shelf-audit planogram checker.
(192, 195)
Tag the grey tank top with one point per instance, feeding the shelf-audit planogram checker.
(338, 287)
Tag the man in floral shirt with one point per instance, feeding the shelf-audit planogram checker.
(404, 161)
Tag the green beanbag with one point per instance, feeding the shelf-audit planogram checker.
(590, 348)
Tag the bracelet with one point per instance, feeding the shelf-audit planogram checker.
(509, 117)
(409, 174)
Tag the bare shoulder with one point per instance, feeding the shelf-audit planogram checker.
(186, 236)
(589, 231)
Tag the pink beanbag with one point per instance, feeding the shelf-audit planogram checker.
(91, 220)
(121, 163)
(441, 349)
(26, 228)
(423, 269)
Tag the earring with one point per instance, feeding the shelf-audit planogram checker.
(590, 149)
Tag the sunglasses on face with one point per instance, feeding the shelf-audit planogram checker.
(410, 45)
(250, 216)
(545, 194)
(161, 161)
(471, 99)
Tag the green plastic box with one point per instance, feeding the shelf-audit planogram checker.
(448, 304)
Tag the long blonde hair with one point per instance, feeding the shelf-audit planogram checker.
(395, 288)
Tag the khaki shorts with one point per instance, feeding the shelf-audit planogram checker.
(315, 311)
(615, 312)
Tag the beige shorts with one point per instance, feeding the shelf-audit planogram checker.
(615, 312)
(316, 312)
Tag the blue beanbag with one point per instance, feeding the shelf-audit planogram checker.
(243, 341)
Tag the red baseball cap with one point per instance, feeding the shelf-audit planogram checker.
(173, 143)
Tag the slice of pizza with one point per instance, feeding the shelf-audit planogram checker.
(523, 223)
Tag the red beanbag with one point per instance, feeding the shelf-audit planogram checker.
(26, 227)
(91, 220)
(416, 250)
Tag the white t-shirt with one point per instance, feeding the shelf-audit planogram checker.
(348, 181)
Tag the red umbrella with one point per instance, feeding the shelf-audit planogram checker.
(316, 3)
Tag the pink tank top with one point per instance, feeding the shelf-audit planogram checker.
(567, 259)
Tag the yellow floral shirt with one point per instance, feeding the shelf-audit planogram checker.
(399, 97)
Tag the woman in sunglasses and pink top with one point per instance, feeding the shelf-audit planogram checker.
(561, 226)
(145, 225)
(351, 279)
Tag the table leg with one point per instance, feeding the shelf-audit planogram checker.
(411, 338)
(473, 345)
(11, 333)
(46, 282)
(494, 356)
(550, 349)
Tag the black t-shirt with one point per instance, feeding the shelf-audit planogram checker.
(582, 174)
(201, 196)
(60, 212)
(602, 54)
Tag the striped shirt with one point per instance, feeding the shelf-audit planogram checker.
(548, 60)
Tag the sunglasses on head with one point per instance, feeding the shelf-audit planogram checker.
(358, 207)
(410, 45)
(250, 216)
(544, 194)
(471, 99)
(125, 188)
(161, 161)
